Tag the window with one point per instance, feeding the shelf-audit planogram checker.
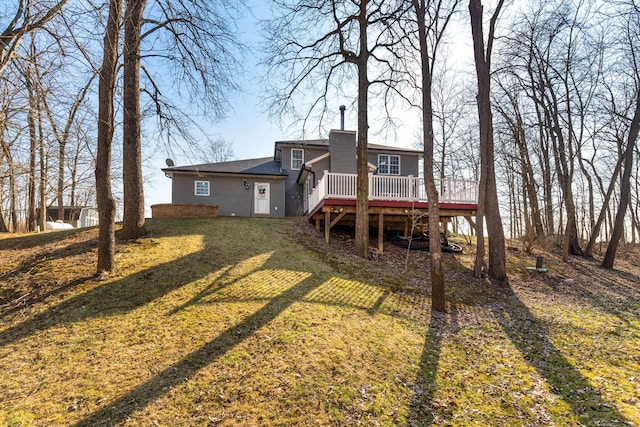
(388, 164)
(202, 188)
(297, 158)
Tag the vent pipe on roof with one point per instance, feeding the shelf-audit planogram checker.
(342, 108)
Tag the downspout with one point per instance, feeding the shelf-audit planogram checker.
(252, 197)
(313, 174)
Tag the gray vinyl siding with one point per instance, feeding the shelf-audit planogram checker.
(408, 162)
(319, 167)
(294, 201)
(229, 193)
(342, 148)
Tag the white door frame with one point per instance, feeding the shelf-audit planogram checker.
(262, 198)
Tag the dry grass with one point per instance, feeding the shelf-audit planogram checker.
(258, 322)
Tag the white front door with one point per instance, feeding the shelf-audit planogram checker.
(262, 200)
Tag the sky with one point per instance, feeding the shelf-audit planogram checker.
(247, 126)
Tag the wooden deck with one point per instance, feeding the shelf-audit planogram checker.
(395, 203)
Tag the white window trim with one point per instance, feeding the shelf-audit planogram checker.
(388, 166)
(195, 188)
(301, 160)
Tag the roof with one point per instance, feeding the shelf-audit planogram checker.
(325, 143)
(261, 166)
(305, 142)
(378, 147)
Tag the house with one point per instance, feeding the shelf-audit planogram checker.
(254, 187)
(279, 186)
(318, 178)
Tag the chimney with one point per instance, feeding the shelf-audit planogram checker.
(342, 108)
(342, 151)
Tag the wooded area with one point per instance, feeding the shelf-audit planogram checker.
(562, 78)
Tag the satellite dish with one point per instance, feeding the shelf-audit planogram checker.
(170, 163)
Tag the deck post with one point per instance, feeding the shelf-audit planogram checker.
(474, 227)
(327, 225)
(380, 232)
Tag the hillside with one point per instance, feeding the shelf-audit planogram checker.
(258, 322)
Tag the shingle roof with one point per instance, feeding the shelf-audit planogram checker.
(370, 146)
(319, 142)
(391, 148)
(262, 166)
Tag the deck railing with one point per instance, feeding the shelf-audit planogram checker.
(393, 188)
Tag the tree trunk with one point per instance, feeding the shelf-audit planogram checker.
(3, 224)
(13, 216)
(570, 243)
(60, 183)
(104, 196)
(595, 231)
(497, 250)
(13, 205)
(438, 302)
(133, 219)
(43, 183)
(42, 200)
(33, 92)
(33, 141)
(528, 180)
(73, 173)
(362, 194)
(625, 192)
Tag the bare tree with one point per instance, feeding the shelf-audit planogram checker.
(29, 16)
(510, 108)
(62, 136)
(10, 108)
(430, 34)
(196, 41)
(597, 225)
(133, 192)
(104, 196)
(34, 101)
(488, 206)
(311, 62)
(8, 158)
(217, 150)
(631, 49)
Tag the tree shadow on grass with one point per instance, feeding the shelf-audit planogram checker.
(33, 240)
(22, 304)
(46, 254)
(421, 411)
(612, 291)
(15, 297)
(531, 338)
(125, 294)
(178, 373)
(227, 276)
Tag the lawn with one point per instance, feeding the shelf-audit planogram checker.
(246, 322)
